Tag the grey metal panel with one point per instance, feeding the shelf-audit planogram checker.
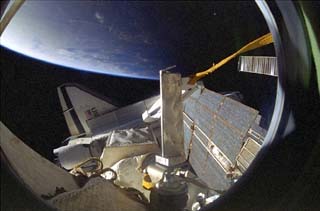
(130, 113)
(70, 156)
(242, 163)
(130, 124)
(253, 146)
(129, 116)
(247, 155)
(248, 152)
(258, 64)
(172, 140)
(150, 101)
(103, 122)
(111, 155)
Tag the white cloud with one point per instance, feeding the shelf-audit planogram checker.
(99, 17)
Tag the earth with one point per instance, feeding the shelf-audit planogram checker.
(131, 39)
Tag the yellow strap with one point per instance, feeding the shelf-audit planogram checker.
(261, 41)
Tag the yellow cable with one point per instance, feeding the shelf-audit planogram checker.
(146, 182)
(78, 167)
(261, 41)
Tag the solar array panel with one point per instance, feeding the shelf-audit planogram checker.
(215, 130)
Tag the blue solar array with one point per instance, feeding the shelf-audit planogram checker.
(219, 121)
